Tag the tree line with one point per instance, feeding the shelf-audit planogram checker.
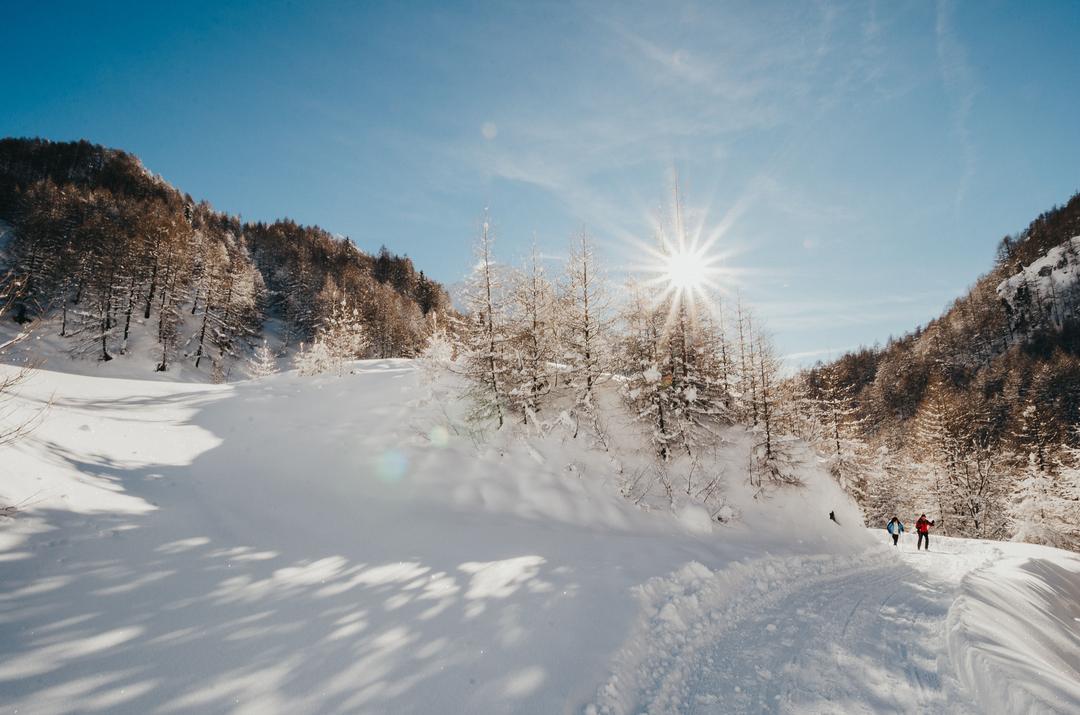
(973, 417)
(544, 349)
(105, 248)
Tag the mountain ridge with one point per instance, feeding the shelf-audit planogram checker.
(989, 388)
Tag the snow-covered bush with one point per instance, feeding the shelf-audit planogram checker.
(341, 338)
(315, 359)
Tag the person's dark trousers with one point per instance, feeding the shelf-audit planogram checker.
(895, 538)
(926, 538)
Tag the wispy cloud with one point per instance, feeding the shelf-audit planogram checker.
(808, 357)
(959, 80)
(699, 88)
(808, 314)
(661, 95)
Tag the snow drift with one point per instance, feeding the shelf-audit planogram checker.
(1013, 632)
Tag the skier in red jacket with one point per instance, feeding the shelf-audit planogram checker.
(923, 527)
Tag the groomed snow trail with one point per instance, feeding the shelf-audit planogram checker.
(817, 635)
(865, 638)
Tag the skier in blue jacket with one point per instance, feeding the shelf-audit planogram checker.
(895, 527)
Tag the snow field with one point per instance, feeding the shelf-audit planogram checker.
(347, 545)
(309, 545)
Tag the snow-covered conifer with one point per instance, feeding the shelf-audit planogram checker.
(1044, 507)
(262, 363)
(642, 355)
(343, 334)
(439, 349)
(847, 454)
(772, 462)
(584, 332)
(702, 386)
(484, 334)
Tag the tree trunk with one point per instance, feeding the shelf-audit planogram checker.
(127, 313)
(150, 292)
(202, 331)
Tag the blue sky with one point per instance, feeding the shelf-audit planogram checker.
(862, 158)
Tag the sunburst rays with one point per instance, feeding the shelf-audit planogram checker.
(685, 268)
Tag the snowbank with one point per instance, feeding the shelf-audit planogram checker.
(1014, 632)
(685, 613)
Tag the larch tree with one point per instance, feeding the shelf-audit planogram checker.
(343, 334)
(438, 353)
(642, 352)
(585, 333)
(772, 462)
(745, 395)
(11, 287)
(314, 358)
(960, 464)
(532, 345)
(847, 452)
(485, 334)
(703, 387)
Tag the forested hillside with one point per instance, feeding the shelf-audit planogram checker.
(103, 248)
(974, 416)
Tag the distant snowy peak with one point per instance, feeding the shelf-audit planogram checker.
(1043, 292)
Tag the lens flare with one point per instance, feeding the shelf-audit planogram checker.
(438, 436)
(391, 466)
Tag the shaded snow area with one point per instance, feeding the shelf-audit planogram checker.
(343, 544)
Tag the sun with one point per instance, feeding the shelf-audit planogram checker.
(686, 270)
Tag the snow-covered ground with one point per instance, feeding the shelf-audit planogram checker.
(335, 544)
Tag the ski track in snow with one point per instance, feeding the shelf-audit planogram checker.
(816, 657)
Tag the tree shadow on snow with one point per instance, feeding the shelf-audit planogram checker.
(211, 609)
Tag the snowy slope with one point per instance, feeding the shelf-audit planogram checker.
(1044, 280)
(340, 544)
(46, 348)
